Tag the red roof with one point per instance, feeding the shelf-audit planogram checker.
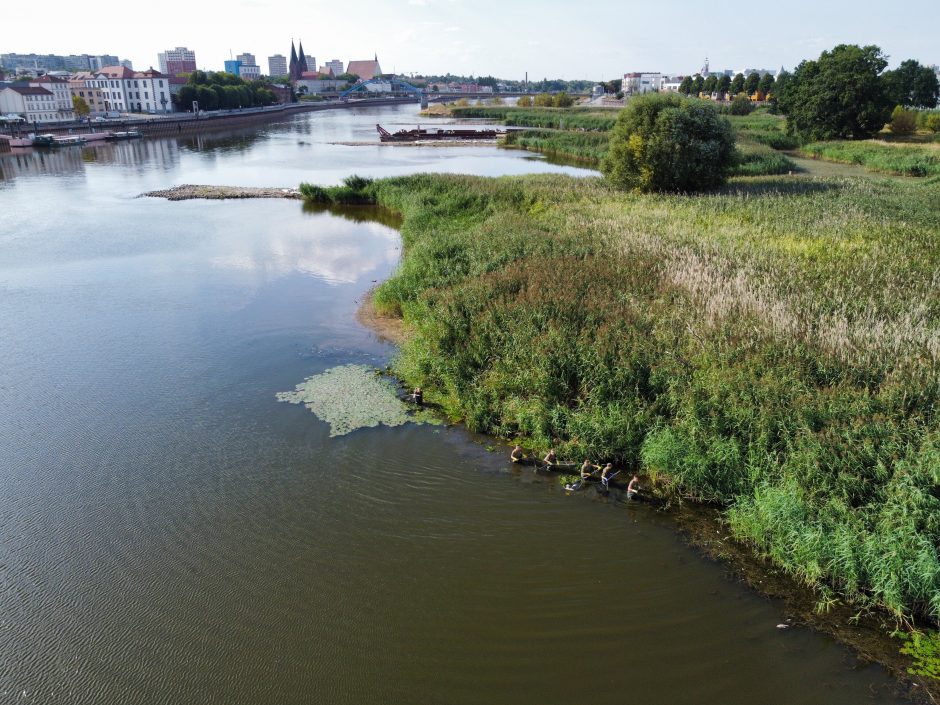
(364, 69)
(115, 72)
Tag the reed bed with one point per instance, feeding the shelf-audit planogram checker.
(773, 348)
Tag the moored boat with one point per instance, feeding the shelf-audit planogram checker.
(419, 134)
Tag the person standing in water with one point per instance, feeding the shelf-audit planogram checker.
(517, 454)
(418, 396)
(633, 489)
(550, 458)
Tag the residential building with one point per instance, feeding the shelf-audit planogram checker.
(233, 66)
(43, 63)
(84, 85)
(249, 69)
(365, 70)
(326, 70)
(311, 62)
(173, 62)
(277, 66)
(335, 66)
(135, 91)
(642, 82)
(671, 84)
(34, 104)
(59, 87)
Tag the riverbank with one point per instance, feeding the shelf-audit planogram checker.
(758, 347)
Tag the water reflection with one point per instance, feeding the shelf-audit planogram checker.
(338, 254)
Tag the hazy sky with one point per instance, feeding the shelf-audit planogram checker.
(548, 38)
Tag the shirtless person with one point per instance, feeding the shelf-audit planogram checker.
(550, 459)
(517, 454)
(633, 489)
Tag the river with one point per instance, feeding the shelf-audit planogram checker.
(170, 533)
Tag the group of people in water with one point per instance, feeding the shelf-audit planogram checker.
(587, 472)
(588, 469)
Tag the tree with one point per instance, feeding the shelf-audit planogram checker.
(839, 96)
(912, 85)
(724, 84)
(685, 88)
(903, 122)
(562, 100)
(766, 85)
(80, 106)
(781, 84)
(544, 100)
(710, 85)
(751, 83)
(524, 101)
(741, 104)
(932, 122)
(698, 84)
(669, 143)
(737, 85)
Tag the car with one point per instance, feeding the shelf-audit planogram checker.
(98, 118)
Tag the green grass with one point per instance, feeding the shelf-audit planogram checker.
(773, 348)
(763, 128)
(896, 158)
(557, 118)
(586, 146)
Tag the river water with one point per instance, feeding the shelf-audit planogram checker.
(170, 533)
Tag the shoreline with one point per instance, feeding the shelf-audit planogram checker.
(866, 633)
(703, 529)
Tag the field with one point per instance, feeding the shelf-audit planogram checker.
(773, 349)
(885, 157)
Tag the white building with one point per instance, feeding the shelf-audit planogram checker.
(59, 87)
(134, 91)
(277, 66)
(336, 66)
(249, 69)
(634, 83)
(671, 84)
(86, 86)
(34, 104)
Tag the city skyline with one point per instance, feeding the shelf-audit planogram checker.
(438, 36)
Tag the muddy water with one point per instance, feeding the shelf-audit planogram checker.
(170, 533)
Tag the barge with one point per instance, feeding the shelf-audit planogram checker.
(421, 135)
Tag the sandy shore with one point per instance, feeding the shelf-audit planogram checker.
(388, 328)
(186, 192)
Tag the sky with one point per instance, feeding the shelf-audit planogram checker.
(590, 39)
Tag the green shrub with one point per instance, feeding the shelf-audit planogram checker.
(669, 143)
(562, 100)
(903, 122)
(544, 100)
(741, 105)
(524, 101)
(932, 122)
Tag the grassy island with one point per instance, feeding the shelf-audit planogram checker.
(773, 349)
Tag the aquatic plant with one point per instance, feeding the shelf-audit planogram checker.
(924, 650)
(350, 397)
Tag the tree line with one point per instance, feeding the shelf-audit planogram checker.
(220, 90)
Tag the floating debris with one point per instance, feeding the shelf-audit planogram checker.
(350, 397)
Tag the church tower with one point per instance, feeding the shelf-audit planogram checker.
(292, 71)
(301, 60)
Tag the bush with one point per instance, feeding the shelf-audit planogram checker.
(932, 122)
(524, 101)
(544, 100)
(669, 143)
(741, 105)
(903, 122)
(562, 100)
